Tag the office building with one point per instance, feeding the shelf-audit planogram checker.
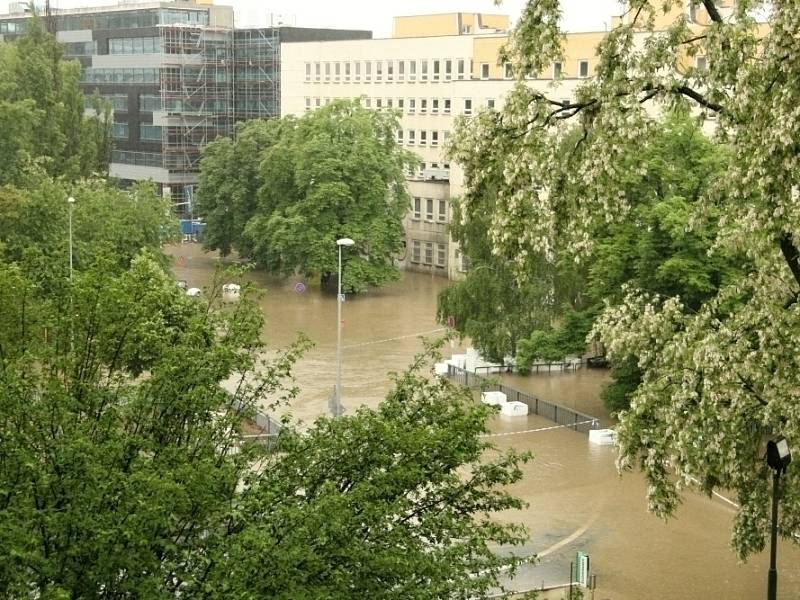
(177, 74)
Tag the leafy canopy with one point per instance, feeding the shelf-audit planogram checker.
(284, 191)
(718, 376)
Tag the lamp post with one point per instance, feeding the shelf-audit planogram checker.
(778, 458)
(71, 203)
(336, 407)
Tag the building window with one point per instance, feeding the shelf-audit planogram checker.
(347, 71)
(412, 106)
(508, 71)
(556, 70)
(417, 208)
(423, 137)
(317, 102)
(401, 70)
(583, 68)
(412, 70)
(441, 255)
(368, 71)
(327, 71)
(317, 71)
(416, 250)
(308, 103)
(428, 253)
(442, 216)
(149, 133)
(448, 70)
(490, 103)
(434, 138)
(389, 103)
(337, 71)
(460, 68)
(424, 70)
(400, 103)
(447, 106)
(149, 102)
(378, 70)
(700, 63)
(378, 103)
(467, 106)
(367, 102)
(390, 70)
(119, 131)
(400, 137)
(358, 70)
(412, 139)
(423, 105)
(308, 71)
(429, 209)
(484, 70)
(435, 105)
(141, 45)
(436, 66)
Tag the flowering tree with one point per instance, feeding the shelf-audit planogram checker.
(717, 379)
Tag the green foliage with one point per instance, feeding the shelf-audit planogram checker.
(108, 224)
(286, 190)
(389, 503)
(124, 473)
(567, 338)
(715, 349)
(42, 112)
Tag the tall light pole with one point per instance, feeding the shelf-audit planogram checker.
(778, 458)
(71, 202)
(336, 407)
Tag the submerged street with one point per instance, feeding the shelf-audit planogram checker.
(577, 501)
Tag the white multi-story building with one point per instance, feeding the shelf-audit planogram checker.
(433, 69)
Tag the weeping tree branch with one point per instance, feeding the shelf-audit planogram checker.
(711, 9)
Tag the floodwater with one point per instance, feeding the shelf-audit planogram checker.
(576, 499)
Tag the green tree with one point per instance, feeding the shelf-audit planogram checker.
(124, 474)
(42, 111)
(717, 379)
(284, 192)
(108, 224)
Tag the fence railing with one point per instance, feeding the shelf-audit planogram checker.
(554, 412)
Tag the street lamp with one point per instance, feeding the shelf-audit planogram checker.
(336, 406)
(778, 458)
(71, 202)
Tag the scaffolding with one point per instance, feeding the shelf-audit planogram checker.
(196, 92)
(256, 76)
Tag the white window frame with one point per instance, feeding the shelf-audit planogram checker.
(428, 257)
(423, 106)
(460, 66)
(442, 214)
(416, 251)
(429, 209)
(412, 137)
(447, 106)
(417, 208)
(434, 138)
(484, 71)
(423, 137)
(508, 71)
(581, 63)
(558, 69)
(441, 255)
(467, 106)
(308, 71)
(435, 106)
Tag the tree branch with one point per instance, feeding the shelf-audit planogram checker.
(791, 255)
(712, 11)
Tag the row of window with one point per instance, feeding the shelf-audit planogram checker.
(429, 204)
(418, 70)
(390, 70)
(135, 45)
(115, 20)
(97, 75)
(421, 137)
(430, 171)
(79, 49)
(410, 106)
(147, 132)
(426, 257)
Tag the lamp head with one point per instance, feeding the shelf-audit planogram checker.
(778, 454)
(345, 242)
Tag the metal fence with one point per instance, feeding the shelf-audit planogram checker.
(554, 412)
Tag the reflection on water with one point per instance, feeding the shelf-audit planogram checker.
(576, 499)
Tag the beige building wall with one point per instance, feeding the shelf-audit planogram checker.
(456, 23)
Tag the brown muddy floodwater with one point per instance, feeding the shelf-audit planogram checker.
(577, 500)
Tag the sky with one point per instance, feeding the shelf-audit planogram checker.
(376, 15)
